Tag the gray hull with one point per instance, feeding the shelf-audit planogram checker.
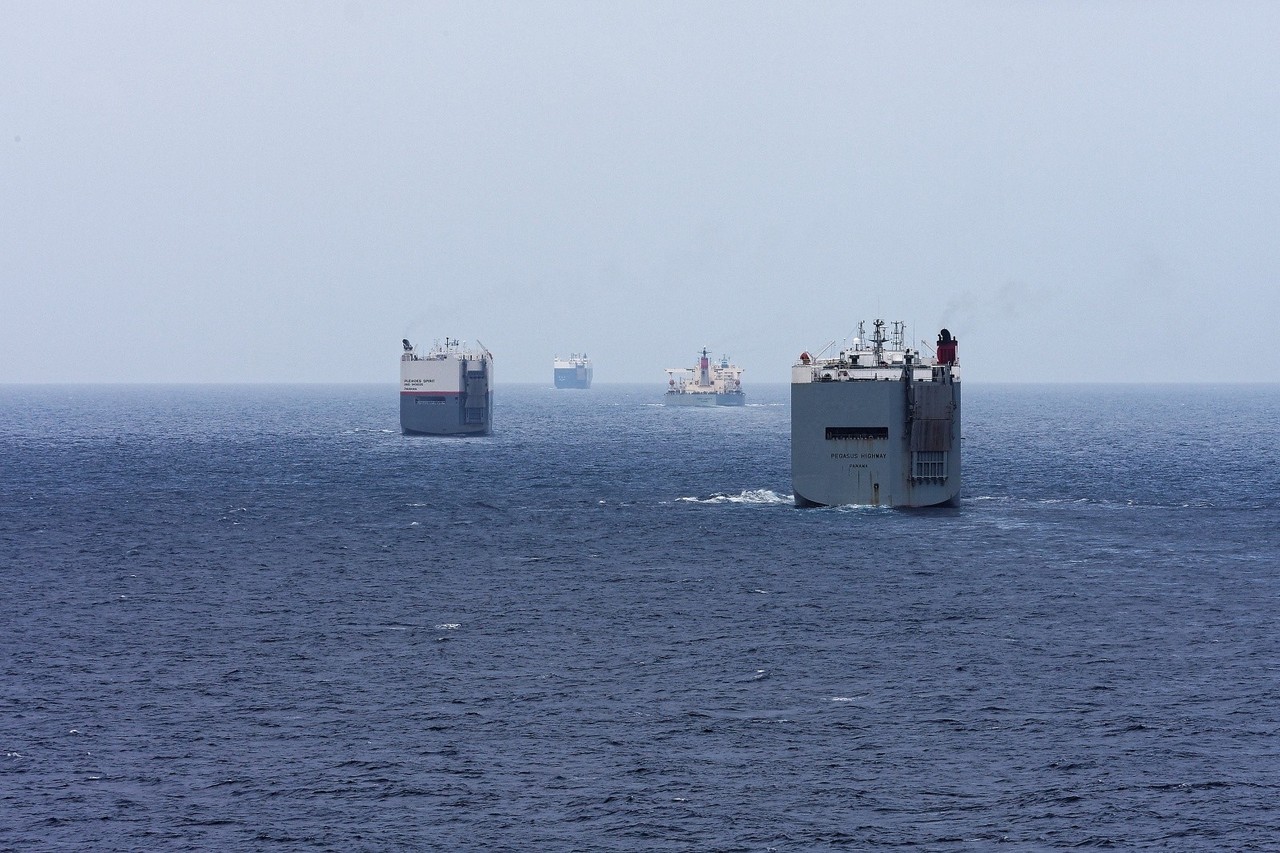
(879, 443)
(675, 398)
(435, 414)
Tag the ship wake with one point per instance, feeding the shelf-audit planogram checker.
(766, 497)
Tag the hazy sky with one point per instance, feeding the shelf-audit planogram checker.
(281, 191)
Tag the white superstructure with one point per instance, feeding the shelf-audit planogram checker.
(707, 384)
(880, 358)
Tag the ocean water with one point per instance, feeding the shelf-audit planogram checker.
(259, 618)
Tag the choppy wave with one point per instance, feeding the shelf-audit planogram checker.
(1106, 503)
(255, 645)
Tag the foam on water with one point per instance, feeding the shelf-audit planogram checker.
(750, 496)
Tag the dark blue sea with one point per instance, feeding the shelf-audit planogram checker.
(260, 618)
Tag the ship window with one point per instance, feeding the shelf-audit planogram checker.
(929, 464)
(429, 398)
(856, 433)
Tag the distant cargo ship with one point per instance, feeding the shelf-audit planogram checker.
(572, 372)
(448, 391)
(705, 385)
(877, 425)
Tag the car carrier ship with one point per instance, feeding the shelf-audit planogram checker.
(572, 372)
(705, 385)
(878, 424)
(448, 391)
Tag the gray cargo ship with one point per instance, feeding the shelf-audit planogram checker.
(447, 391)
(708, 384)
(877, 424)
(572, 372)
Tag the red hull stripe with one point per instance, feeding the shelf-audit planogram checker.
(430, 393)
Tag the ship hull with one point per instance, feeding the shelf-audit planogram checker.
(875, 442)
(688, 398)
(444, 414)
(677, 398)
(573, 377)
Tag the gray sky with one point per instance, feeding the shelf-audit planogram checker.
(253, 191)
